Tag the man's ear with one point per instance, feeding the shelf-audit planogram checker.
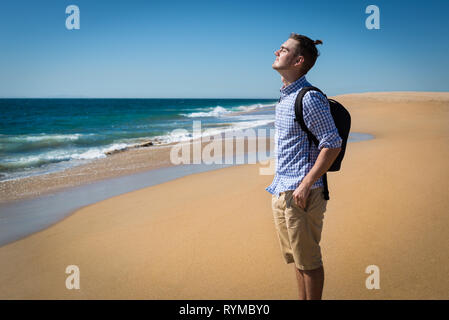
(299, 60)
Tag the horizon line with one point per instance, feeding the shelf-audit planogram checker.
(162, 98)
(199, 98)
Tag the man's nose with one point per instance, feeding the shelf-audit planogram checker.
(276, 53)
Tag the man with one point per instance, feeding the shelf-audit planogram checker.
(298, 202)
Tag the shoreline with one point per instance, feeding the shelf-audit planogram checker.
(117, 164)
(140, 158)
(148, 155)
(20, 181)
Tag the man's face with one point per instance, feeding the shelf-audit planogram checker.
(286, 56)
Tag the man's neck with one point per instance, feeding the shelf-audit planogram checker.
(288, 78)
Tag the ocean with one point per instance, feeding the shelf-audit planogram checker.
(39, 136)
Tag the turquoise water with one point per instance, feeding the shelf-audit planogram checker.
(39, 136)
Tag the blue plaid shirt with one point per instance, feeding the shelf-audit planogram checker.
(291, 144)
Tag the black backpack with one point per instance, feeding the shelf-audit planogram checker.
(342, 120)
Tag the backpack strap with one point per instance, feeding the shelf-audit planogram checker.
(326, 189)
(299, 117)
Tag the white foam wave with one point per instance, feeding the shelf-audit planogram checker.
(63, 155)
(252, 124)
(185, 135)
(215, 112)
(220, 111)
(252, 107)
(44, 136)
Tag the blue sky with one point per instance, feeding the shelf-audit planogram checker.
(217, 49)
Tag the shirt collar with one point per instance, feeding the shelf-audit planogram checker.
(294, 86)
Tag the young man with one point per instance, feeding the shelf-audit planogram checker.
(298, 202)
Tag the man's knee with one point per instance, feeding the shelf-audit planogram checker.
(312, 271)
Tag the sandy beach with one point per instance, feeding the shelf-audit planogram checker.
(211, 235)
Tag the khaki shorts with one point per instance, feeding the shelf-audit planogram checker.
(299, 230)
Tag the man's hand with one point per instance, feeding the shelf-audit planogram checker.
(301, 194)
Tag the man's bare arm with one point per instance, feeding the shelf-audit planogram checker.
(324, 161)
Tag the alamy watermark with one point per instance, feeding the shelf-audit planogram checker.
(373, 280)
(373, 20)
(209, 147)
(73, 280)
(73, 20)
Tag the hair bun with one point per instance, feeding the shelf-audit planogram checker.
(318, 42)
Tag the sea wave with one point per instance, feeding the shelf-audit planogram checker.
(12, 163)
(40, 137)
(61, 155)
(219, 111)
(215, 112)
(255, 106)
(182, 135)
(27, 143)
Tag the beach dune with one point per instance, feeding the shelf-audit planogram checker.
(211, 235)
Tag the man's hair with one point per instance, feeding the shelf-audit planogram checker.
(307, 49)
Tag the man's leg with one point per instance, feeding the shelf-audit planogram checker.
(301, 285)
(304, 230)
(313, 281)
